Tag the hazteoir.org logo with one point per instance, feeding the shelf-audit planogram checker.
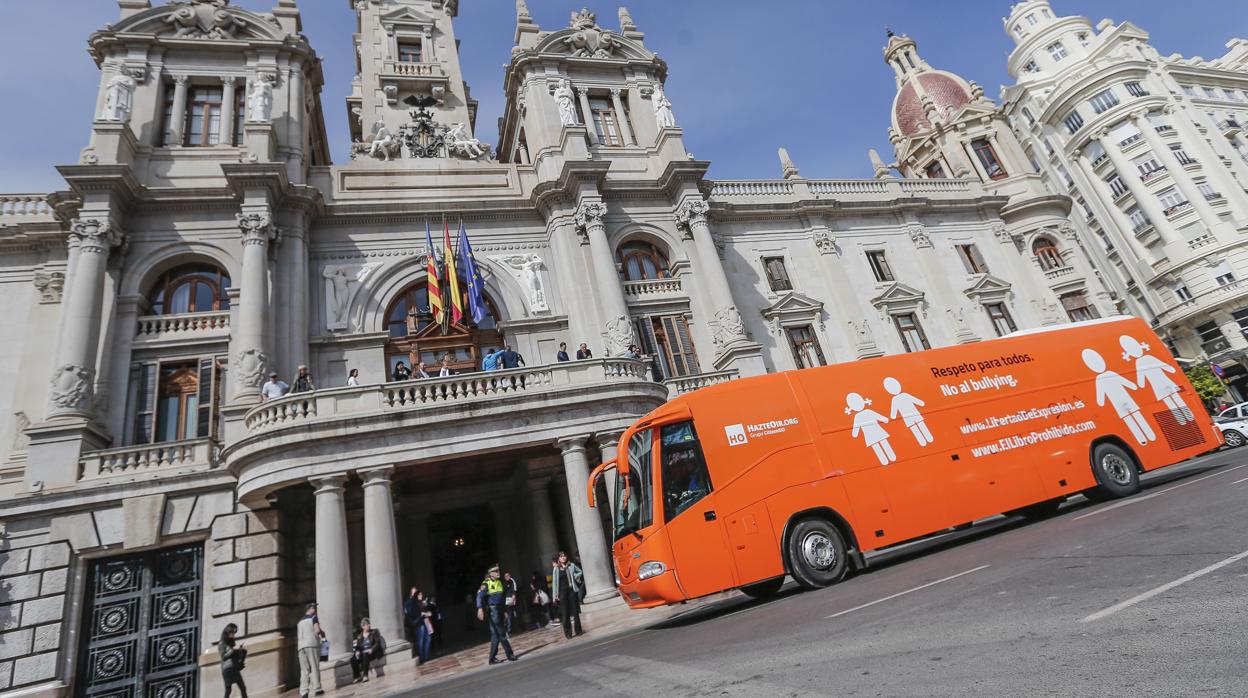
(736, 434)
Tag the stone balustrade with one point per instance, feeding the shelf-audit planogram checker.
(163, 326)
(24, 205)
(688, 384)
(863, 188)
(193, 454)
(752, 188)
(1059, 273)
(651, 288)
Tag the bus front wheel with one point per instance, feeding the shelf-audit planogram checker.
(1115, 472)
(817, 553)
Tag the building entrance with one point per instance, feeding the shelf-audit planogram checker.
(463, 546)
(141, 625)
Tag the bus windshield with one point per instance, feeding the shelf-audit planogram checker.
(635, 512)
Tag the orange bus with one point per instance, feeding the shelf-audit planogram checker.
(802, 472)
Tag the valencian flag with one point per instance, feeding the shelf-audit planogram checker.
(476, 286)
(452, 277)
(435, 287)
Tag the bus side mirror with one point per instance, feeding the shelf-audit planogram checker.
(591, 490)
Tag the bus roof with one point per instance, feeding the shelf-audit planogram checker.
(1071, 325)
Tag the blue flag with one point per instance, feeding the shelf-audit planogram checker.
(477, 309)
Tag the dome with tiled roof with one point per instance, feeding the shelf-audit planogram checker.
(916, 79)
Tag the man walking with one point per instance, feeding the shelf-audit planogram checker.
(308, 634)
(510, 358)
(491, 609)
(511, 594)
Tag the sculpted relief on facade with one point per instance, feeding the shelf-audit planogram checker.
(528, 270)
(341, 283)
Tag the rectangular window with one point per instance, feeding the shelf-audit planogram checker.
(879, 265)
(1207, 191)
(1031, 120)
(1031, 67)
(1181, 155)
(1095, 152)
(1056, 50)
(935, 170)
(1182, 293)
(777, 275)
(1148, 166)
(1241, 319)
(1000, 317)
(1223, 274)
(166, 136)
(1158, 122)
(667, 339)
(606, 123)
(1138, 220)
(203, 116)
(1188, 90)
(1230, 94)
(1135, 89)
(1170, 199)
(1125, 133)
(971, 259)
(805, 347)
(240, 116)
(1212, 341)
(912, 336)
(1209, 92)
(1031, 20)
(988, 158)
(684, 474)
(1115, 185)
(1103, 100)
(1077, 307)
(638, 512)
(1073, 121)
(409, 51)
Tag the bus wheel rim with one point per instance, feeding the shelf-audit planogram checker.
(818, 551)
(1117, 468)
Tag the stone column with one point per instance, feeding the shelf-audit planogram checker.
(726, 325)
(599, 580)
(71, 388)
(1178, 175)
(1205, 152)
(229, 84)
(381, 558)
(592, 133)
(1147, 201)
(333, 575)
(251, 361)
(618, 330)
(177, 125)
(626, 129)
(544, 536)
(294, 163)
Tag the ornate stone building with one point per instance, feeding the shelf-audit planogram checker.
(204, 240)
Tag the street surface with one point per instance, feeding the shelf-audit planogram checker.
(1146, 596)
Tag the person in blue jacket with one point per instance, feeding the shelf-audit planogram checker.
(491, 608)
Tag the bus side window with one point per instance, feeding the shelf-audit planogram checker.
(685, 478)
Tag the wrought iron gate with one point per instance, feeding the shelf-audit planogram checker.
(141, 626)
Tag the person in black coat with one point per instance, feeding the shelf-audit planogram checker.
(233, 656)
(366, 648)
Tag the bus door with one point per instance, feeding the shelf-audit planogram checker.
(704, 562)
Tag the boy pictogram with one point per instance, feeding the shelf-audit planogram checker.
(1112, 386)
(868, 423)
(907, 406)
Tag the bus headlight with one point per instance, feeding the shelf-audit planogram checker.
(650, 569)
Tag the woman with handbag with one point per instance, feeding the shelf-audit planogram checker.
(233, 657)
(566, 581)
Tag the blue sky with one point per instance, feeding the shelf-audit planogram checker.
(745, 77)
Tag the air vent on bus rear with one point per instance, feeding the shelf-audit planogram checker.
(1179, 436)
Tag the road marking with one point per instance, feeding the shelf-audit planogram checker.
(1144, 498)
(907, 591)
(1242, 479)
(1163, 588)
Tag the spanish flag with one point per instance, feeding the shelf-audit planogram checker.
(431, 270)
(452, 277)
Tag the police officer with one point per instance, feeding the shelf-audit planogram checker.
(490, 599)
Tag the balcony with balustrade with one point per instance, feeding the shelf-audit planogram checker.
(406, 75)
(652, 289)
(181, 328)
(865, 191)
(687, 384)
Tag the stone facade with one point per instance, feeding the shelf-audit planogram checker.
(204, 241)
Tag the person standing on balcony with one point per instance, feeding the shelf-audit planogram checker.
(421, 371)
(583, 352)
(634, 352)
(303, 381)
(562, 354)
(445, 369)
(510, 358)
(308, 636)
(353, 378)
(491, 609)
(402, 372)
(274, 388)
(566, 579)
(491, 361)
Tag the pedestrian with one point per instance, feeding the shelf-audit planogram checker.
(562, 354)
(274, 388)
(491, 362)
(490, 609)
(540, 600)
(510, 358)
(303, 381)
(421, 371)
(411, 617)
(366, 647)
(445, 369)
(402, 372)
(424, 627)
(435, 623)
(233, 657)
(511, 598)
(583, 352)
(353, 378)
(633, 352)
(566, 581)
(308, 636)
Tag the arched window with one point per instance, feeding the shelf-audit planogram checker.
(640, 261)
(415, 337)
(1047, 254)
(191, 288)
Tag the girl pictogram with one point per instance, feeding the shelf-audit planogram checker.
(1115, 388)
(868, 422)
(1150, 370)
(907, 406)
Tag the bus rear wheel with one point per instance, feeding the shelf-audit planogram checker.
(1115, 473)
(818, 556)
(763, 589)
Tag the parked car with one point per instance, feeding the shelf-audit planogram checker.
(1233, 424)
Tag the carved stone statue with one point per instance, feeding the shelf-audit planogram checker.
(787, 168)
(918, 235)
(70, 386)
(203, 19)
(381, 147)
(50, 286)
(260, 98)
(626, 21)
(566, 101)
(529, 269)
(727, 326)
(339, 279)
(584, 19)
(825, 242)
(618, 335)
(249, 368)
(21, 441)
(118, 99)
(663, 109)
(460, 144)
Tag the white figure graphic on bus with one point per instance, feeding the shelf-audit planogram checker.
(868, 423)
(1150, 370)
(1112, 386)
(907, 406)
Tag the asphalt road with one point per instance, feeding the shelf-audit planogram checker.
(1146, 596)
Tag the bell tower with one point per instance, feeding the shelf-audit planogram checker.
(407, 59)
